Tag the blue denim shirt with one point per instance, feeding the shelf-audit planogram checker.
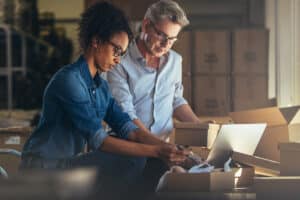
(148, 94)
(74, 105)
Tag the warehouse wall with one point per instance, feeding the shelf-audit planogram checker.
(67, 13)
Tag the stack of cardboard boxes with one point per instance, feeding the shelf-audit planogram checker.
(227, 70)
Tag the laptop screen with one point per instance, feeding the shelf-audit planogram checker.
(242, 138)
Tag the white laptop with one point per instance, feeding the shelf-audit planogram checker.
(242, 138)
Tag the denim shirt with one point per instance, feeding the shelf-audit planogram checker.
(74, 105)
(148, 94)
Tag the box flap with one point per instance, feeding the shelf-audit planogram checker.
(296, 119)
(256, 162)
(291, 114)
(289, 146)
(272, 116)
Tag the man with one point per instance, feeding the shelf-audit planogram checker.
(147, 83)
(77, 99)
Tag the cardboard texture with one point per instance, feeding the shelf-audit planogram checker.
(187, 85)
(260, 164)
(214, 95)
(212, 52)
(193, 134)
(277, 130)
(197, 182)
(184, 48)
(12, 138)
(216, 119)
(292, 117)
(277, 188)
(200, 151)
(243, 176)
(250, 51)
(289, 162)
(250, 91)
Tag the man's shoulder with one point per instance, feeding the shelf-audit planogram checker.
(174, 54)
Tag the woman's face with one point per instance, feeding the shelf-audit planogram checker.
(108, 54)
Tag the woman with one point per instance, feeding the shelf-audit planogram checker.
(77, 99)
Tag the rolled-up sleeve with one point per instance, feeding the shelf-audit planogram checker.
(118, 120)
(117, 79)
(97, 139)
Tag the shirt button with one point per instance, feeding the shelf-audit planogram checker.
(94, 91)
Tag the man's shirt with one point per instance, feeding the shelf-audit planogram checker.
(148, 94)
(74, 105)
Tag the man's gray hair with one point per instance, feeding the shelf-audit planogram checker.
(167, 9)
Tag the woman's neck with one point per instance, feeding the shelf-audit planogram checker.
(91, 64)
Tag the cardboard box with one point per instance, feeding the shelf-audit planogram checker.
(211, 95)
(277, 130)
(184, 47)
(250, 51)
(277, 188)
(216, 119)
(261, 165)
(292, 118)
(243, 176)
(12, 138)
(249, 92)
(200, 151)
(187, 85)
(193, 134)
(212, 52)
(197, 182)
(289, 162)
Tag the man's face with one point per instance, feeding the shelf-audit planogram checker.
(161, 36)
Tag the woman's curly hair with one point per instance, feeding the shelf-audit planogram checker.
(102, 20)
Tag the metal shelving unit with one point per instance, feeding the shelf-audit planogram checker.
(8, 69)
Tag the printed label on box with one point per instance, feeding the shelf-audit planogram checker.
(13, 140)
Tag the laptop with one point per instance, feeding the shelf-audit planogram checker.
(242, 138)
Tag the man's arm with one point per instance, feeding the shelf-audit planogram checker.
(184, 113)
(166, 152)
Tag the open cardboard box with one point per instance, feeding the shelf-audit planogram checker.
(289, 162)
(243, 175)
(197, 182)
(283, 125)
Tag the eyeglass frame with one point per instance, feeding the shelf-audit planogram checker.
(118, 51)
(163, 37)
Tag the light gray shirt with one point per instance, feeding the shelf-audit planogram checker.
(150, 95)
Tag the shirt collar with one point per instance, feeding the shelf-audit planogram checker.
(85, 73)
(135, 53)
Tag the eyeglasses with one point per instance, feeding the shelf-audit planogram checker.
(162, 36)
(118, 52)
